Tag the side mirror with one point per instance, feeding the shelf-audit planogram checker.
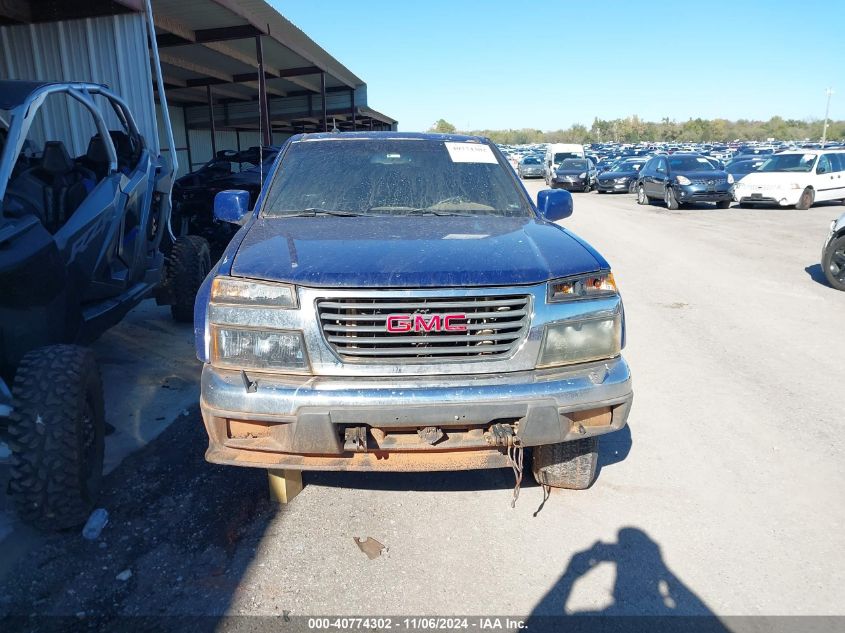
(231, 206)
(554, 204)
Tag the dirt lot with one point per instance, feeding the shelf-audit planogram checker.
(724, 495)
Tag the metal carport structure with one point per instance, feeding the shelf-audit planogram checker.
(236, 72)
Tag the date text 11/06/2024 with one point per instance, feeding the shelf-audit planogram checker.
(424, 623)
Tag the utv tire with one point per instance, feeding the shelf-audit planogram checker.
(56, 434)
(190, 261)
(806, 200)
(723, 204)
(833, 262)
(568, 464)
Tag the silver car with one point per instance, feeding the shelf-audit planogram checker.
(530, 167)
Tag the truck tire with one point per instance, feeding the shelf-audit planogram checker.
(190, 261)
(833, 262)
(808, 196)
(568, 464)
(56, 434)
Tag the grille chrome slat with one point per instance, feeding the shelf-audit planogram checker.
(416, 303)
(409, 353)
(379, 329)
(331, 316)
(356, 328)
(452, 338)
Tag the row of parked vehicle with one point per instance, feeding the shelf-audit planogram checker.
(787, 178)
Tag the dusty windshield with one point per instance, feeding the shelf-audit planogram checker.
(388, 177)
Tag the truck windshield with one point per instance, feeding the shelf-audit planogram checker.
(392, 177)
(562, 156)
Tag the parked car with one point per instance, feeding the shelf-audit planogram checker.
(530, 167)
(755, 151)
(193, 194)
(575, 174)
(741, 167)
(84, 240)
(606, 164)
(400, 362)
(683, 178)
(833, 254)
(556, 153)
(622, 178)
(795, 178)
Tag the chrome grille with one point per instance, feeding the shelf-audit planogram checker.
(709, 181)
(356, 328)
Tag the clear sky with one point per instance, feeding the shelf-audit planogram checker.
(546, 65)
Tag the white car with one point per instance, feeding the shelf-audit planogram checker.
(796, 178)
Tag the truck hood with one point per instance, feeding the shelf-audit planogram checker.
(402, 252)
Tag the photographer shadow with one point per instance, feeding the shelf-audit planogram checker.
(644, 586)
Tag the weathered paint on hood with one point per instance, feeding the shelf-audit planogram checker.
(419, 252)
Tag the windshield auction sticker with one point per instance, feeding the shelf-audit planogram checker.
(470, 153)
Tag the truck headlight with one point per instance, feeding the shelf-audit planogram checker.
(233, 290)
(241, 348)
(582, 340)
(591, 286)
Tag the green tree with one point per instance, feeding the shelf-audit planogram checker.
(442, 126)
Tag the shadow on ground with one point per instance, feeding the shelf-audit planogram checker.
(817, 274)
(645, 590)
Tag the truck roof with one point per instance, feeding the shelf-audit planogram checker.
(390, 135)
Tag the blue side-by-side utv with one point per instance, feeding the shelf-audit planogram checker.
(83, 239)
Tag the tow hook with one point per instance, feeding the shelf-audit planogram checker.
(503, 435)
(355, 438)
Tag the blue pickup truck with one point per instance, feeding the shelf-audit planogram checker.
(396, 301)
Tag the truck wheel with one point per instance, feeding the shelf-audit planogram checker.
(806, 200)
(833, 263)
(56, 434)
(723, 204)
(190, 261)
(671, 201)
(568, 464)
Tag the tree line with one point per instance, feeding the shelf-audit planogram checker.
(634, 130)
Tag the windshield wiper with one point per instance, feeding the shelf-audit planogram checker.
(435, 212)
(313, 212)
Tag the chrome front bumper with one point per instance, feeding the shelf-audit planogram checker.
(299, 422)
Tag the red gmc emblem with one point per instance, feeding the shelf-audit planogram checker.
(399, 323)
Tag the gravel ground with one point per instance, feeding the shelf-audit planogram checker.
(724, 495)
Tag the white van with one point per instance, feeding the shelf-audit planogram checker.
(557, 153)
(795, 178)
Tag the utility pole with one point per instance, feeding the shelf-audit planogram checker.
(829, 93)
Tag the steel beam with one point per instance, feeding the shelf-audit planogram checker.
(211, 119)
(266, 132)
(323, 99)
